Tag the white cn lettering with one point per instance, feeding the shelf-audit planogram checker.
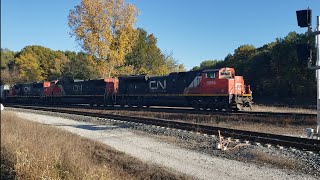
(164, 85)
(77, 87)
(157, 84)
(153, 85)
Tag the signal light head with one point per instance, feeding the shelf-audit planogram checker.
(304, 17)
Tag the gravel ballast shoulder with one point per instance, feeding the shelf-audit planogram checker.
(152, 150)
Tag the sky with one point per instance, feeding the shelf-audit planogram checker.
(193, 31)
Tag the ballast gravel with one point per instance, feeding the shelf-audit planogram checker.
(151, 150)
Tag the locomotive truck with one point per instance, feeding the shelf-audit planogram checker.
(214, 89)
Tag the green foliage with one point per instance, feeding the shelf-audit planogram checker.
(207, 64)
(147, 58)
(272, 70)
(171, 65)
(145, 55)
(81, 66)
(9, 74)
(7, 58)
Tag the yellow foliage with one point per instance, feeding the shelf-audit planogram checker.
(125, 71)
(105, 28)
(29, 69)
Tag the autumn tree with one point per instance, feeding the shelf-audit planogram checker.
(9, 74)
(82, 66)
(29, 69)
(105, 29)
(10, 77)
(7, 58)
(146, 57)
(51, 63)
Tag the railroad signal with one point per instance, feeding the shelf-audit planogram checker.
(304, 18)
(303, 52)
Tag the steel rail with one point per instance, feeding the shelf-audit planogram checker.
(189, 111)
(266, 138)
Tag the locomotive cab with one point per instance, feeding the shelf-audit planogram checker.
(222, 89)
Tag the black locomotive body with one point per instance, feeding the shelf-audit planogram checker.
(144, 90)
(68, 91)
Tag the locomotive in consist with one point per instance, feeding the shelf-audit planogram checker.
(214, 89)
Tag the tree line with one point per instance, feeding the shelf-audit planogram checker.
(273, 70)
(37, 63)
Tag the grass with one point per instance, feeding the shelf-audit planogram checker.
(31, 150)
(261, 157)
(264, 108)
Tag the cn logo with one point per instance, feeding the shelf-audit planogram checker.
(77, 88)
(157, 85)
(26, 89)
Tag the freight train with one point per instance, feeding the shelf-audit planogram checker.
(213, 89)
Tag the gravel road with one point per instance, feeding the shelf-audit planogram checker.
(150, 150)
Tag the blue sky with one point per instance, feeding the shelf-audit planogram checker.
(192, 30)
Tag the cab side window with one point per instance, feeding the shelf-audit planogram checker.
(210, 75)
(225, 75)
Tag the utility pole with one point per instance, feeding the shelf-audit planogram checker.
(318, 72)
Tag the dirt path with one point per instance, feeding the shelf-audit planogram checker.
(153, 151)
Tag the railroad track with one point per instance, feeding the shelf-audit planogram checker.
(188, 111)
(265, 138)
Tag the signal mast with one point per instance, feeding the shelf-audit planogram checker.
(304, 20)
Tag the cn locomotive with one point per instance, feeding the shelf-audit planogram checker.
(213, 89)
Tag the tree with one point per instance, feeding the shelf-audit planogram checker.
(82, 66)
(208, 64)
(170, 65)
(145, 56)
(273, 70)
(195, 68)
(7, 58)
(9, 77)
(51, 63)
(244, 52)
(29, 69)
(105, 29)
